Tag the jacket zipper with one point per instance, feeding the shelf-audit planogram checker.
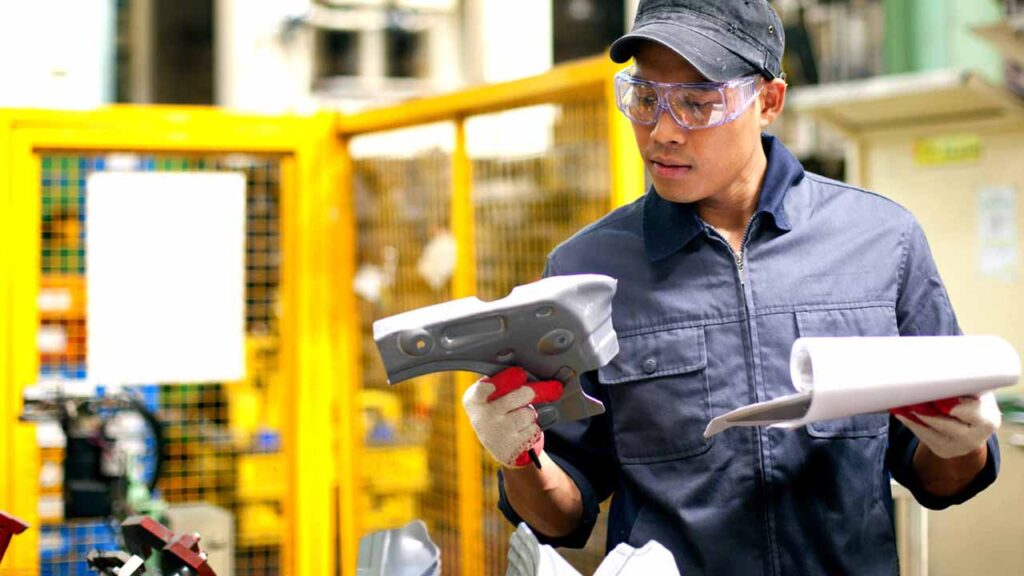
(750, 343)
(738, 258)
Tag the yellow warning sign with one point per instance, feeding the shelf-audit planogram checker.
(950, 149)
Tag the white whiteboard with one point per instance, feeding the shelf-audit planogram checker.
(165, 277)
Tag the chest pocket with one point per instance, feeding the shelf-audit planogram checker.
(853, 321)
(658, 390)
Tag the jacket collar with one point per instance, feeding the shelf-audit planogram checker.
(669, 226)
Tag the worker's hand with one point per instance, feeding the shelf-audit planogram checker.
(499, 408)
(954, 426)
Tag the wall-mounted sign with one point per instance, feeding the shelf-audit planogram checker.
(948, 149)
(997, 233)
(165, 274)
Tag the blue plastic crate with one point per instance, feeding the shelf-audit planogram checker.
(63, 547)
(53, 542)
(65, 371)
(86, 536)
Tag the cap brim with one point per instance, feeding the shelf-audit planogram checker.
(711, 59)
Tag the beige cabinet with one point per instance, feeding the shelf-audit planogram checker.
(986, 534)
(950, 147)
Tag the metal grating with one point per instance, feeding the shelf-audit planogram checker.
(539, 175)
(222, 439)
(408, 459)
(547, 179)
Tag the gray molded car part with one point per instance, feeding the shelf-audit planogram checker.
(792, 407)
(405, 551)
(555, 329)
(528, 557)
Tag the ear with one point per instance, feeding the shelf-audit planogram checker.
(773, 99)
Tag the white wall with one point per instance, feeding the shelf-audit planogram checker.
(264, 68)
(56, 53)
(259, 67)
(515, 38)
(445, 45)
(631, 6)
(60, 53)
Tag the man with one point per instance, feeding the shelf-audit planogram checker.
(733, 254)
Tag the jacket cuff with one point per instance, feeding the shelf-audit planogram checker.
(591, 508)
(985, 477)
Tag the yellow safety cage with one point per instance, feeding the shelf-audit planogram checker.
(367, 207)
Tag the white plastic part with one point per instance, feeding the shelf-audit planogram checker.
(528, 557)
(650, 559)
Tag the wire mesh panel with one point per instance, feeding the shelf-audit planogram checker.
(541, 180)
(221, 440)
(405, 260)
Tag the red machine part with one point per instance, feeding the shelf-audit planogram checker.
(142, 535)
(9, 526)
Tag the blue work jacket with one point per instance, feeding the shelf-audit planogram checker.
(703, 331)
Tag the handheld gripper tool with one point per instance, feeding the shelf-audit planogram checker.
(555, 329)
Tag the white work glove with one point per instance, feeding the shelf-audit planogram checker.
(499, 410)
(954, 426)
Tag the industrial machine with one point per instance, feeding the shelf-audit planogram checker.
(99, 468)
(179, 554)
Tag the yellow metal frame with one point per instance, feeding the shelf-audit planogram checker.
(561, 84)
(625, 164)
(320, 334)
(467, 449)
(345, 317)
(7, 393)
(310, 347)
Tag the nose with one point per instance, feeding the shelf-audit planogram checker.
(666, 131)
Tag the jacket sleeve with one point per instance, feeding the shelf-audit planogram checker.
(580, 448)
(923, 309)
(583, 449)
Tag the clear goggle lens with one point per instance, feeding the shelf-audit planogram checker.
(694, 106)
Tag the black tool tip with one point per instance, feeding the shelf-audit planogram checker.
(534, 458)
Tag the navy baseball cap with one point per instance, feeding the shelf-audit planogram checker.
(723, 39)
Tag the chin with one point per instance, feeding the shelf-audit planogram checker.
(676, 193)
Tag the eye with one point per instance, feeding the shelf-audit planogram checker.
(699, 106)
(644, 98)
(648, 101)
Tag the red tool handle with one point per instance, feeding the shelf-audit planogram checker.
(545, 391)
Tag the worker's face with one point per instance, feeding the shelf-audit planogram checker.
(694, 165)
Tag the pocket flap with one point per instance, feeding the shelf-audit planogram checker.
(866, 320)
(654, 354)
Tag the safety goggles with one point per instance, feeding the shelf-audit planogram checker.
(693, 105)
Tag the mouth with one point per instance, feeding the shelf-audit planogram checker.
(669, 168)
